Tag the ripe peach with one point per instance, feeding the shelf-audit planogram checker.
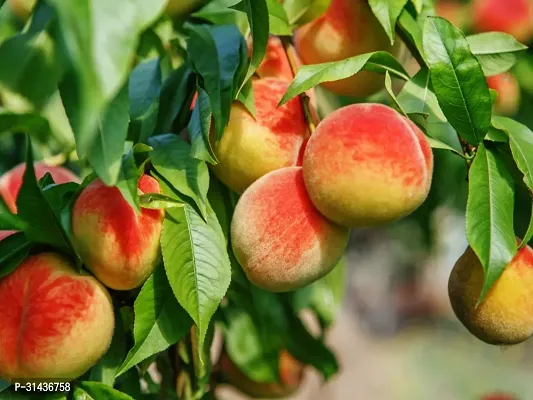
(4, 234)
(366, 164)
(506, 314)
(347, 29)
(508, 99)
(250, 148)
(54, 322)
(290, 373)
(281, 241)
(499, 396)
(11, 181)
(275, 64)
(453, 11)
(118, 245)
(514, 17)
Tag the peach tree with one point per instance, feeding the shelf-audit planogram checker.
(214, 205)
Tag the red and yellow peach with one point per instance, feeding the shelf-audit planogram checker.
(11, 181)
(505, 316)
(347, 29)
(367, 165)
(250, 148)
(54, 322)
(279, 238)
(119, 246)
(508, 99)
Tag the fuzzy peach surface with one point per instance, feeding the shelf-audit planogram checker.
(54, 322)
(366, 165)
(347, 29)
(506, 314)
(514, 17)
(280, 239)
(11, 181)
(250, 148)
(275, 64)
(118, 245)
(508, 99)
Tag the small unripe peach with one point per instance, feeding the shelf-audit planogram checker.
(54, 322)
(290, 373)
(280, 239)
(366, 165)
(11, 181)
(180, 8)
(250, 148)
(514, 17)
(506, 314)
(347, 29)
(508, 99)
(119, 246)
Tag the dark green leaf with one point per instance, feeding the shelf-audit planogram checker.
(458, 80)
(309, 76)
(200, 129)
(33, 124)
(13, 250)
(489, 214)
(160, 321)
(144, 88)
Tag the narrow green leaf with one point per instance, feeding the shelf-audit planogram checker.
(160, 321)
(97, 391)
(418, 5)
(489, 214)
(411, 33)
(387, 12)
(388, 87)
(171, 157)
(106, 153)
(144, 88)
(196, 263)
(309, 76)
(458, 80)
(278, 20)
(200, 129)
(496, 51)
(257, 12)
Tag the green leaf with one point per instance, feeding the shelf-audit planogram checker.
(200, 128)
(418, 5)
(171, 157)
(106, 153)
(34, 68)
(196, 263)
(417, 97)
(458, 80)
(521, 143)
(131, 171)
(157, 201)
(278, 20)
(144, 88)
(255, 357)
(221, 12)
(42, 224)
(309, 76)
(257, 12)
(387, 12)
(218, 64)
(160, 321)
(13, 250)
(9, 221)
(99, 37)
(489, 214)
(34, 125)
(411, 33)
(175, 99)
(97, 391)
(388, 87)
(495, 51)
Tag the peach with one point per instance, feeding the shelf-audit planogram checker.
(514, 17)
(499, 396)
(508, 99)
(281, 241)
(22, 8)
(275, 64)
(4, 234)
(290, 374)
(506, 314)
(366, 165)
(180, 8)
(347, 29)
(250, 148)
(11, 181)
(119, 246)
(54, 322)
(453, 11)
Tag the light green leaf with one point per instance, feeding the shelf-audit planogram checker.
(97, 391)
(279, 22)
(387, 12)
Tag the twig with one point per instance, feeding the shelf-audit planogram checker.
(312, 122)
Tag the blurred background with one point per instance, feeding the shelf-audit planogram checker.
(396, 336)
